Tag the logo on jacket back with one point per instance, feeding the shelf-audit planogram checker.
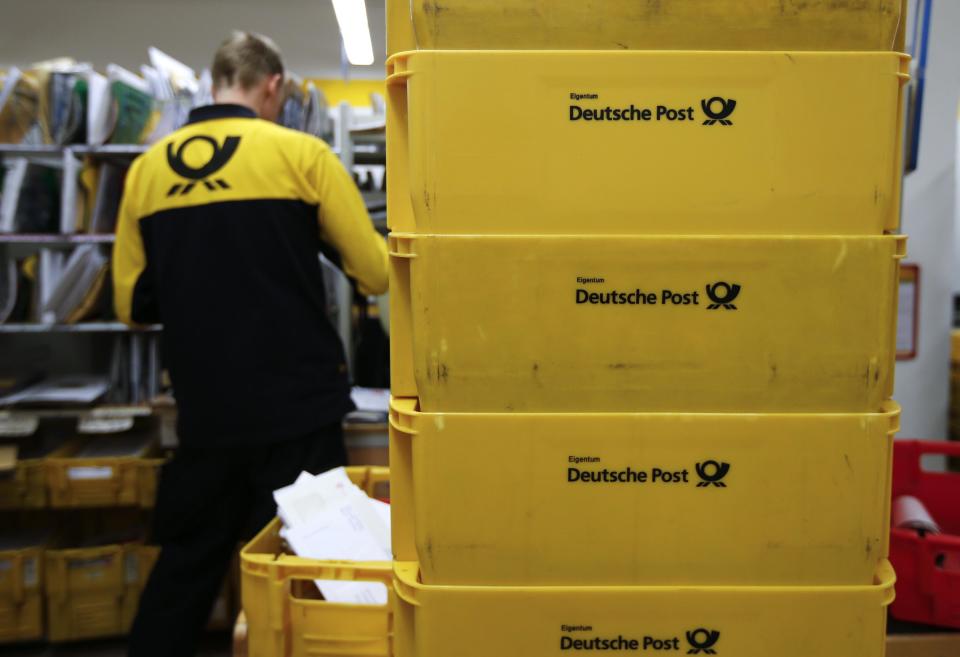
(718, 110)
(218, 159)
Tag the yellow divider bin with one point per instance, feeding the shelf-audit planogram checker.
(102, 481)
(628, 324)
(27, 487)
(21, 594)
(662, 143)
(636, 25)
(94, 592)
(524, 499)
(283, 621)
(476, 621)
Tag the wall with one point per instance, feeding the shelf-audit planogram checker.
(929, 218)
(119, 31)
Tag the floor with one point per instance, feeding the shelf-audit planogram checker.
(214, 645)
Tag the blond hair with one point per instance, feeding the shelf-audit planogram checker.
(245, 59)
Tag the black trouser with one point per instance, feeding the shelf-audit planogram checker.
(208, 501)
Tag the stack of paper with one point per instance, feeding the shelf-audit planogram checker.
(327, 517)
(29, 200)
(19, 106)
(132, 103)
(78, 287)
(59, 391)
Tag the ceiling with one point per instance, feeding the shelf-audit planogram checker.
(119, 31)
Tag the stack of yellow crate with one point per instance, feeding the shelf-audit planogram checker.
(643, 305)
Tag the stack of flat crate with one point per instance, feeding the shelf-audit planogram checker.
(643, 300)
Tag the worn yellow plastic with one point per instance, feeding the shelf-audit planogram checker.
(101, 482)
(578, 499)
(800, 143)
(26, 488)
(476, 621)
(495, 324)
(645, 25)
(94, 592)
(21, 594)
(281, 624)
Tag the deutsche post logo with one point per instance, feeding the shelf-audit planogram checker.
(702, 641)
(718, 110)
(221, 155)
(723, 294)
(711, 473)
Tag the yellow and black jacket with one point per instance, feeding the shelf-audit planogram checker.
(218, 238)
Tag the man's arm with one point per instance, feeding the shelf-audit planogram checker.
(132, 296)
(345, 225)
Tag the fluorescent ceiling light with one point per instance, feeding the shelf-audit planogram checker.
(352, 18)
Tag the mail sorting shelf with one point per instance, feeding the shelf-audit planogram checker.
(622, 143)
(614, 324)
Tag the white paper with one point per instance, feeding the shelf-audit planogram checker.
(352, 593)
(180, 77)
(327, 517)
(371, 399)
(99, 109)
(91, 473)
(117, 73)
(309, 496)
(77, 390)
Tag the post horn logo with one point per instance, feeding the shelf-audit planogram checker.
(221, 155)
(702, 640)
(723, 294)
(711, 473)
(721, 116)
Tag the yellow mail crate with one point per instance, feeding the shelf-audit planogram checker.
(282, 621)
(630, 324)
(94, 592)
(665, 143)
(21, 594)
(644, 25)
(477, 621)
(582, 499)
(102, 481)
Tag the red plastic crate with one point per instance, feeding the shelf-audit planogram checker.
(928, 567)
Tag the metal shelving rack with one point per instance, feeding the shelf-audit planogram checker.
(137, 348)
(364, 148)
(142, 344)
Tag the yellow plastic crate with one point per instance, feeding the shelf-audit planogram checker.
(94, 592)
(26, 488)
(474, 621)
(281, 623)
(518, 499)
(701, 324)
(102, 482)
(21, 594)
(635, 25)
(728, 143)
